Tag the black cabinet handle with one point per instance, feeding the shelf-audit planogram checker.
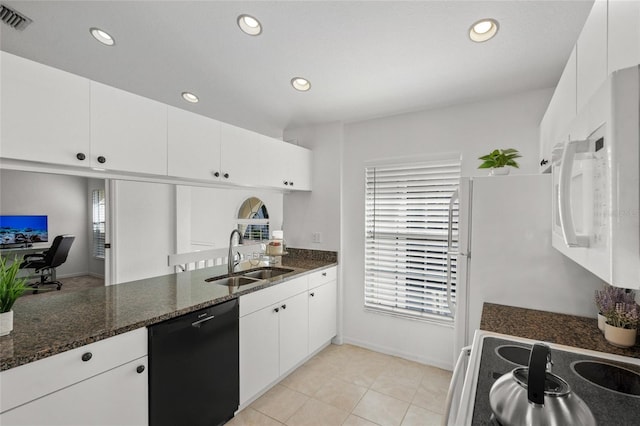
(291, 183)
(324, 274)
(140, 369)
(80, 156)
(226, 175)
(276, 310)
(102, 160)
(87, 356)
(286, 183)
(284, 307)
(543, 162)
(312, 294)
(217, 174)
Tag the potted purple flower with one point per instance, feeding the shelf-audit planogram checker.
(621, 327)
(606, 300)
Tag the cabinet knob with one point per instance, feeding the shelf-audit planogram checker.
(286, 183)
(87, 356)
(216, 174)
(324, 274)
(543, 162)
(291, 183)
(226, 175)
(312, 294)
(284, 306)
(102, 160)
(140, 369)
(276, 310)
(80, 156)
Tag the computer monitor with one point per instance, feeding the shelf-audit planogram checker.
(23, 230)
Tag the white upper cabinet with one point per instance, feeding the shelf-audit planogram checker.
(44, 114)
(289, 165)
(592, 53)
(241, 158)
(624, 34)
(128, 132)
(193, 146)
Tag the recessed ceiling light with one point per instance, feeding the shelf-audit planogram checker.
(249, 25)
(483, 30)
(190, 97)
(102, 36)
(301, 84)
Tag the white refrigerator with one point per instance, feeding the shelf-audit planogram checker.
(505, 254)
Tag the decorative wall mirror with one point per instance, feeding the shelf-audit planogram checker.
(253, 220)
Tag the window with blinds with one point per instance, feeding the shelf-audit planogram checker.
(99, 216)
(407, 224)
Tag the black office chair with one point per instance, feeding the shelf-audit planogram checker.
(46, 262)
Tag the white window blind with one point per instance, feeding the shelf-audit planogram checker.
(407, 217)
(99, 216)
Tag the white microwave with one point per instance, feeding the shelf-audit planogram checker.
(596, 183)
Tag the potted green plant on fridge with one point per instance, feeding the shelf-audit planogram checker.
(499, 159)
(11, 287)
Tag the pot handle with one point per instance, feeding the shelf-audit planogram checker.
(540, 355)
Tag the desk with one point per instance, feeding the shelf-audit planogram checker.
(11, 253)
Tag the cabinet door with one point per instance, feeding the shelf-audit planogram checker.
(322, 315)
(241, 161)
(298, 161)
(624, 34)
(193, 145)
(294, 330)
(128, 131)
(45, 113)
(592, 53)
(259, 351)
(115, 397)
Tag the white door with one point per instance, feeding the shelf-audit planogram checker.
(294, 329)
(322, 315)
(241, 161)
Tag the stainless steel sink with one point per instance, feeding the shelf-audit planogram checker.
(251, 276)
(265, 272)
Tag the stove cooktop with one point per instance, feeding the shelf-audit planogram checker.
(615, 400)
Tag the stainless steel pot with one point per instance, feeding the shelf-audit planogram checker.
(536, 397)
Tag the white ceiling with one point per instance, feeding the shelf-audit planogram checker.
(364, 59)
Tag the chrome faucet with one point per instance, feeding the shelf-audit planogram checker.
(231, 259)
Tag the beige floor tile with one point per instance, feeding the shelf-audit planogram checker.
(251, 417)
(404, 368)
(436, 379)
(431, 399)
(340, 394)
(361, 373)
(381, 409)
(417, 416)
(317, 413)
(357, 421)
(399, 387)
(279, 403)
(306, 380)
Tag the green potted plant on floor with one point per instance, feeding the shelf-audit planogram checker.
(499, 159)
(11, 287)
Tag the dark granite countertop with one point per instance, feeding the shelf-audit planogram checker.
(568, 330)
(64, 321)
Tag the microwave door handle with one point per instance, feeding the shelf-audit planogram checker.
(564, 194)
(450, 252)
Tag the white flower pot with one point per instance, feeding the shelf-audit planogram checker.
(6, 323)
(499, 171)
(602, 320)
(620, 337)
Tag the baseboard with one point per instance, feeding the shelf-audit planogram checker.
(93, 274)
(72, 275)
(394, 352)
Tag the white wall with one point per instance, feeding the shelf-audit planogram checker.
(472, 129)
(143, 229)
(206, 216)
(306, 213)
(62, 198)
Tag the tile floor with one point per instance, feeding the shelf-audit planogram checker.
(349, 385)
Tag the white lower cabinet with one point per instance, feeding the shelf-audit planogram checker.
(282, 326)
(322, 315)
(115, 397)
(102, 383)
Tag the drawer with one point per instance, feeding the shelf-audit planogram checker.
(322, 277)
(262, 298)
(27, 382)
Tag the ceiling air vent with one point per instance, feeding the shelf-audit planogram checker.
(13, 18)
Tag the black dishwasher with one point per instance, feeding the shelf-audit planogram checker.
(193, 368)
